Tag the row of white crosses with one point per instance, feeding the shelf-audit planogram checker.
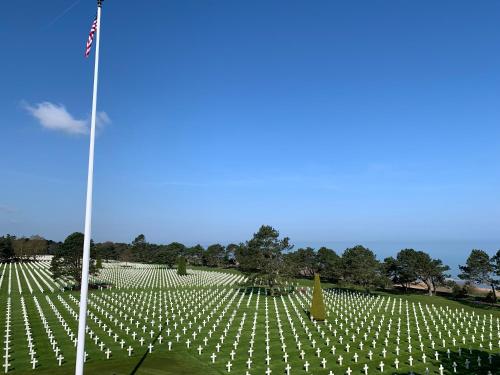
(249, 363)
(152, 276)
(420, 345)
(36, 275)
(42, 276)
(200, 349)
(227, 329)
(52, 340)
(226, 301)
(3, 267)
(29, 334)
(142, 325)
(16, 272)
(94, 337)
(371, 338)
(50, 335)
(9, 285)
(359, 327)
(7, 336)
(267, 360)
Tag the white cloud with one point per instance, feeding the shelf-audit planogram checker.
(56, 117)
(102, 119)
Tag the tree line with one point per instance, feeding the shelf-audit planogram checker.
(267, 260)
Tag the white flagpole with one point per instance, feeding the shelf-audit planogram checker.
(82, 318)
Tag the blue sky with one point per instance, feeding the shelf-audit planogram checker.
(332, 121)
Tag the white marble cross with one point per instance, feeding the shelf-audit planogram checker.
(306, 366)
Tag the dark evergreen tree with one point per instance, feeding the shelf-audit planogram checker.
(139, 248)
(214, 256)
(360, 267)
(6, 248)
(328, 264)
(181, 266)
(304, 262)
(168, 254)
(194, 255)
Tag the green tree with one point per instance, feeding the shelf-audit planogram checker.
(407, 262)
(495, 263)
(6, 248)
(360, 266)
(170, 253)
(431, 271)
(139, 248)
(52, 247)
(479, 268)
(181, 266)
(304, 262)
(230, 257)
(214, 256)
(194, 255)
(262, 258)
(391, 269)
(411, 265)
(317, 310)
(119, 248)
(29, 248)
(109, 250)
(328, 264)
(126, 255)
(67, 262)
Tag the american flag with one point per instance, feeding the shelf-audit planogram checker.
(90, 39)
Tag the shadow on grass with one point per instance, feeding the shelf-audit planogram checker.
(454, 356)
(481, 361)
(265, 291)
(144, 356)
(476, 304)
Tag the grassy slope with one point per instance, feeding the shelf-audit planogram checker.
(161, 361)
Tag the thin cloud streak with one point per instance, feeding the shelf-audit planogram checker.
(62, 14)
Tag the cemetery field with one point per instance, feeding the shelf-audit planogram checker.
(152, 321)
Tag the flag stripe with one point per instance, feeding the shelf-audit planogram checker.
(90, 39)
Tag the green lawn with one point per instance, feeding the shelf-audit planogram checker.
(210, 310)
(163, 363)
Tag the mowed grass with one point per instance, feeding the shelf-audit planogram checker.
(234, 316)
(163, 363)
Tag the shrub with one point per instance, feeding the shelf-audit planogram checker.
(317, 306)
(490, 297)
(459, 291)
